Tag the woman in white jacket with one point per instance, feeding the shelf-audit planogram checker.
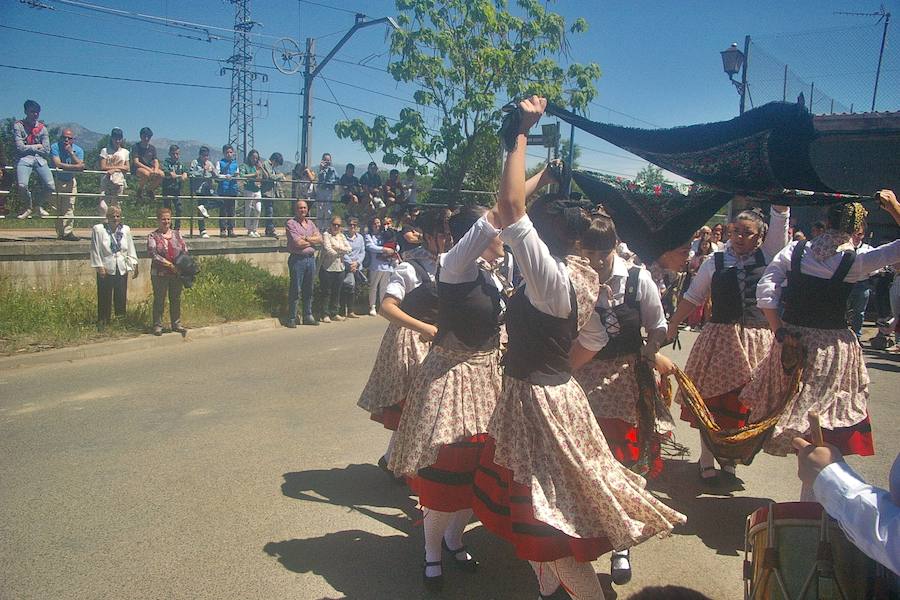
(113, 256)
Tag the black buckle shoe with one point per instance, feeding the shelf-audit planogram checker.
(436, 583)
(620, 567)
(469, 565)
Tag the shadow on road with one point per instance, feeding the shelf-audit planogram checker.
(714, 515)
(359, 487)
(364, 566)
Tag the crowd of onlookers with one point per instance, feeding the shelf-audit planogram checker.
(215, 185)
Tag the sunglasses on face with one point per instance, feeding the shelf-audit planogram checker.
(66, 137)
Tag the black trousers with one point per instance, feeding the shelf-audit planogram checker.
(330, 285)
(112, 290)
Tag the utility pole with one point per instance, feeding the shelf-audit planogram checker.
(312, 69)
(240, 121)
(883, 16)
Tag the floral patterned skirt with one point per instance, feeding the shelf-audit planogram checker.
(548, 483)
(399, 356)
(835, 383)
(450, 400)
(612, 391)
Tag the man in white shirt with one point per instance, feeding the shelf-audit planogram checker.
(870, 516)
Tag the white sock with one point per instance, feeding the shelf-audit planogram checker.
(390, 447)
(455, 529)
(706, 456)
(579, 578)
(435, 523)
(548, 582)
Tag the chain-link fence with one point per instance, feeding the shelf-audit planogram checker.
(833, 69)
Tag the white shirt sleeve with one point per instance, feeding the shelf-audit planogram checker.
(777, 233)
(458, 264)
(768, 290)
(867, 514)
(653, 318)
(96, 241)
(701, 283)
(546, 278)
(872, 260)
(593, 335)
(403, 280)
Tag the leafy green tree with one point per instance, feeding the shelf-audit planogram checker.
(651, 175)
(468, 57)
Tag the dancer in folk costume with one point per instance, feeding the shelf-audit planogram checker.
(606, 353)
(547, 481)
(835, 383)
(736, 338)
(411, 306)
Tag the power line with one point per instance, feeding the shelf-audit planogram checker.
(344, 112)
(344, 10)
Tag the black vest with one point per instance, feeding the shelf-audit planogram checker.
(728, 304)
(539, 343)
(816, 302)
(626, 338)
(469, 310)
(422, 302)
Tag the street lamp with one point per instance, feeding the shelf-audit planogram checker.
(733, 60)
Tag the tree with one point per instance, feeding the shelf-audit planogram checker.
(468, 57)
(651, 175)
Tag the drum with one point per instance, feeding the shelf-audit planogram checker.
(795, 551)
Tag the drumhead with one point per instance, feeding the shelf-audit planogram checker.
(786, 510)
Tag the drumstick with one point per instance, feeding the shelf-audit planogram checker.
(815, 428)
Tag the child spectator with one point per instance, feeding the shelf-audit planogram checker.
(145, 165)
(228, 186)
(349, 181)
(371, 180)
(202, 172)
(115, 160)
(271, 188)
(326, 180)
(32, 151)
(174, 175)
(251, 175)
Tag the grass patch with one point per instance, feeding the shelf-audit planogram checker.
(36, 319)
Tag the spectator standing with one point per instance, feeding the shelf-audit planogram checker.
(394, 186)
(858, 300)
(32, 151)
(251, 175)
(353, 265)
(115, 160)
(113, 256)
(202, 174)
(227, 173)
(164, 246)
(302, 238)
(145, 165)
(171, 186)
(68, 157)
(410, 186)
(381, 264)
(271, 188)
(331, 272)
(371, 180)
(303, 182)
(325, 182)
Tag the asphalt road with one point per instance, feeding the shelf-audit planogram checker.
(240, 467)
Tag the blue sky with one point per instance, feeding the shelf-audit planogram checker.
(660, 62)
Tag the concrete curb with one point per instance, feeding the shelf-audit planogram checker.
(142, 342)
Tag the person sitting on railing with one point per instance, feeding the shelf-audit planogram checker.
(171, 185)
(145, 165)
(349, 182)
(410, 185)
(202, 171)
(32, 151)
(115, 160)
(251, 176)
(271, 188)
(68, 157)
(227, 169)
(371, 180)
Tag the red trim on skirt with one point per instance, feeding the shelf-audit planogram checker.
(726, 409)
(622, 438)
(447, 484)
(504, 508)
(389, 417)
(856, 439)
